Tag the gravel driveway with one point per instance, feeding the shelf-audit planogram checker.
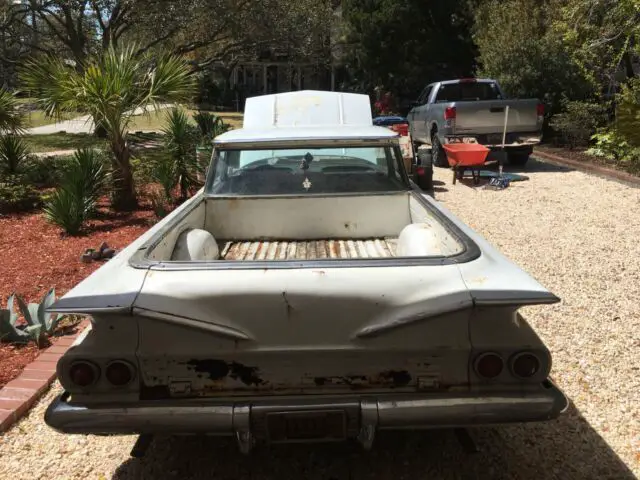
(577, 234)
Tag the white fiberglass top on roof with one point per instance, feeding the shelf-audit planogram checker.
(307, 114)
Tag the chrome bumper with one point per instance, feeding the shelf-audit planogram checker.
(365, 414)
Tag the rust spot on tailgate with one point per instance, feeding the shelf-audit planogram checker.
(216, 369)
(219, 369)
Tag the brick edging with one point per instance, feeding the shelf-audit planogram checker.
(19, 395)
(589, 168)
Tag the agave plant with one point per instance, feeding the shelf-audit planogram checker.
(13, 152)
(9, 332)
(36, 314)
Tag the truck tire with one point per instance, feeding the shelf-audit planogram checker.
(518, 159)
(425, 160)
(438, 153)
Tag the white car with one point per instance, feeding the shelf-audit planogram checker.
(309, 292)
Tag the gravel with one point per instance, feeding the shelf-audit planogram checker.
(577, 234)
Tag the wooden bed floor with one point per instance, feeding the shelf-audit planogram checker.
(308, 249)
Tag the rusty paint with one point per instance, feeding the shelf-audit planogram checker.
(216, 369)
(219, 369)
(247, 375)
(308, 249)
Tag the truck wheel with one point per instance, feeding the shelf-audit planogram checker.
(438, 153)
(425, 160)
(518, 159)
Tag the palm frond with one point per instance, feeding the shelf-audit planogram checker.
(10, 118)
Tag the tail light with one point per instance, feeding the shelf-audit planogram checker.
(540, 110)
(119, 373)
(83, 374)
(525, 365)
(450, 113)
(489, 365)
(401, 128)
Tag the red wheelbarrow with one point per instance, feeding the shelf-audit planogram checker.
(466, 156)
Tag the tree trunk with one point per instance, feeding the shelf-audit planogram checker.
(124, 191)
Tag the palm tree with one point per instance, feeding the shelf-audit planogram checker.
(111, 88)
(10, 118)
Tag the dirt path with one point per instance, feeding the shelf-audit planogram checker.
(578, 235)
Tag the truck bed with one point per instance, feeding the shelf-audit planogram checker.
(308, 249)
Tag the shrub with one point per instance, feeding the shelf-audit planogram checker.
(579, 121)
(181, 138)
(16, 196)
(609, 144)
(164, 172)
(210, 125)
(77, 197)
(46, 172)
(160, 204)
(13, 152)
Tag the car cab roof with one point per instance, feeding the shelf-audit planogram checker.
(307, 115)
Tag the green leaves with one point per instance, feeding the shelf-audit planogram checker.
(111, 88)
(210, 125)
(38, 323)
(181, 138)
(76, 199)
(13, 152)
(10, 118)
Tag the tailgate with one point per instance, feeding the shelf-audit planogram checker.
(208, 333)
(487, 117)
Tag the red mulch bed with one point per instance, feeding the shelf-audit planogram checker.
(35, 256)
(13, 358)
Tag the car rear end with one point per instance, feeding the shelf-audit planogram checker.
(475, 111)
(287, 355)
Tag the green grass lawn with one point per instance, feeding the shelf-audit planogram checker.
(62, 141)
(37, 118)
(156, 121)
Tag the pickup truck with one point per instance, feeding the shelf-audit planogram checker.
(309, 292)
(473, 110)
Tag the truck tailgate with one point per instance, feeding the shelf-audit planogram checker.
(274, 331)
(487, 117)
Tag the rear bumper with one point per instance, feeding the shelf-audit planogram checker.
(363, 413)
(513, 140)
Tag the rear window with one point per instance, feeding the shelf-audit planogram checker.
(468, 92)
(306, 171)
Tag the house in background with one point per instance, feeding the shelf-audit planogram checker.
(276, 70)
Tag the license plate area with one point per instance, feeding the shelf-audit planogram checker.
(306, 426)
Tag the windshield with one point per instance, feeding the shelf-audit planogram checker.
(468, 91)
(306, 171)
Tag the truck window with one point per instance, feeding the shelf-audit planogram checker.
(306, 171)
(468, 92)
(424, 96)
